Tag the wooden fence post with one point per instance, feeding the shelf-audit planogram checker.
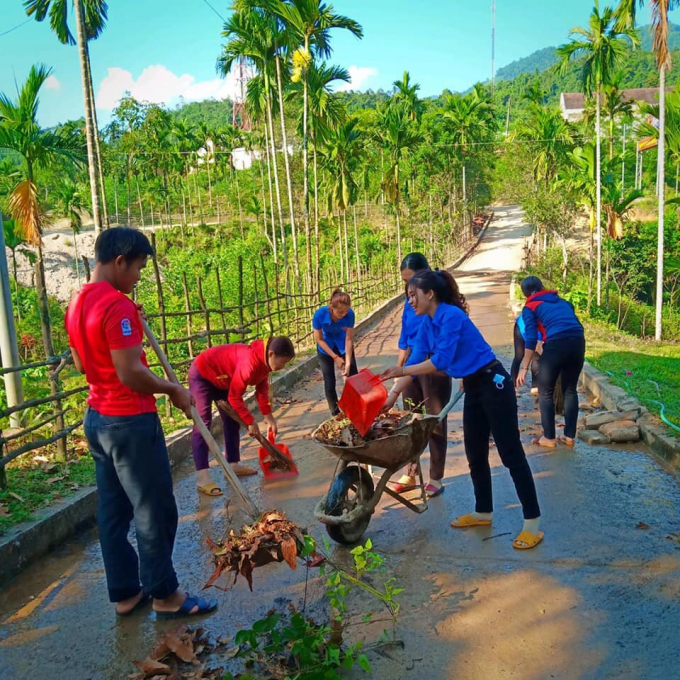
(256, 305)
(161, 312)
(187, 305)
(240, 292)
(267, 298)
(221, 299)
(206, 313)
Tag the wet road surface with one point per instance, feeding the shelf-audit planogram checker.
(599, 598)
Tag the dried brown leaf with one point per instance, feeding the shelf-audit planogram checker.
(4, 511)
(289, 551)
(642, 525)
(151, 668)
(181, 645)
(52, 480)
(16, 496)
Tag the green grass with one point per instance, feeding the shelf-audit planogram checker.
(38, 483)
(636, 364)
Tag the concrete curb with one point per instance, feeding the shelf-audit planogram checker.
(654, 432)
(27, 542)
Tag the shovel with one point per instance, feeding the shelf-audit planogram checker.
(233, 480)
(275, 459)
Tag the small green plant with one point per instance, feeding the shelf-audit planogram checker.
(292, 646)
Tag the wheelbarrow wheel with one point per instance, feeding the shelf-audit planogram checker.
(352, 486)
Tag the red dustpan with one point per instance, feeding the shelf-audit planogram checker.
(271, 467)
(362, 399)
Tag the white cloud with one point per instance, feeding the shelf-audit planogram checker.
(52, 83)
(358, 75)
(159, 85)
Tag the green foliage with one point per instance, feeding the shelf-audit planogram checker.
(294, 646)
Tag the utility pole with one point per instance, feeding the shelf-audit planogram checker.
(493, 45)
(8, 337)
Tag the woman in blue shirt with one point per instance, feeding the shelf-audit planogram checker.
(433, 391)
(449, 341)
(333, 327)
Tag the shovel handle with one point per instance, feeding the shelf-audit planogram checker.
(452, 402)
(231, 476)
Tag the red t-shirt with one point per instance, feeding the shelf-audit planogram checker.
(100, 319)
(233, 368)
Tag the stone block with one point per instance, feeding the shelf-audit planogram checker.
(595, 420)
(593, 437)
(622, 431)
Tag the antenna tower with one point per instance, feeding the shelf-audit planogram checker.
(239, 115)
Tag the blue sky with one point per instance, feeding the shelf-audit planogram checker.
(163, 49)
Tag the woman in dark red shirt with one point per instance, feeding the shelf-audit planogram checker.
(225, 372)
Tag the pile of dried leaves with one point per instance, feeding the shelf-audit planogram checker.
(273, 538)
(339, 431)
(179, 648)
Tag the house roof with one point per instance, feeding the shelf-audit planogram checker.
(576, 101)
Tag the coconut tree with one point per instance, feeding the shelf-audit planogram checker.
(309, 22)
(603, 46)
(626, 17)
(90, 18)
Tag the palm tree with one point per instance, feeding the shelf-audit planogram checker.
(310, 23)
(90, 18)
(626, 15)
(20, 132)
(604, 47)
(342, 155)
(70, 203)
(15, 241)
(408, 92)
(398, 136)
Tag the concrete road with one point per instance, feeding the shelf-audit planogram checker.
(599, 598)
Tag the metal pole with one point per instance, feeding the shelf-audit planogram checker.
(8, 337)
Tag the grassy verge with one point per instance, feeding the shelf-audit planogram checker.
(638, 366)
(37, 481)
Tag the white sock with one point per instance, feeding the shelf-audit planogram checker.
(436, 483)
(531, 525)
(486, 516)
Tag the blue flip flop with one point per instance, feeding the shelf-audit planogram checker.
(144, 600)
(204, 607)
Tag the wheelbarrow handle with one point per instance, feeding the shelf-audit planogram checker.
(452, 402)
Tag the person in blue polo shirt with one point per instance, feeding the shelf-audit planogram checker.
(333, 327)
(432, 391)
(449, 341)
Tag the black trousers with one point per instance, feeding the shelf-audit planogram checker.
(328, 371)
(435, 391)
(519, 355)
(491, 408)
(564, 357)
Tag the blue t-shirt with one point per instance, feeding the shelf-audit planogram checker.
(452, 343)
(334, 332)
(410, 325)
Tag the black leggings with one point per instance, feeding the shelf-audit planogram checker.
(328, 370)
(564, 356)
(519, 355)
(492, 410)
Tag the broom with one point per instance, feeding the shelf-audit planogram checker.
(233, 480)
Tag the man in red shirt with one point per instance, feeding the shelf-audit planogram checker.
(124, 433)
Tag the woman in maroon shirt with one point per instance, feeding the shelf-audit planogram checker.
(225, 372)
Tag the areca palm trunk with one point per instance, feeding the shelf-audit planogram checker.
(289, 181)
(599, 196)
(98, 152)
(344, 222)
(305, 171)
(275, 170)
(662, 185)
(316, 220)
(271, 193)
(89, 124)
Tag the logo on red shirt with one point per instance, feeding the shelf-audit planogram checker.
(126, 327)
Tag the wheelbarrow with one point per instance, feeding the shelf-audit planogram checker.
(352, 498)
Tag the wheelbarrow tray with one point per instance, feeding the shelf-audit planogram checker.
(404, 445)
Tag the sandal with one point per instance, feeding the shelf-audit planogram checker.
(465, 521)
(143, 600)
(541, 441)
(210, 489)
(433, 491)
(527, 540)
(405, 483)
(204, 607)
(566, 441)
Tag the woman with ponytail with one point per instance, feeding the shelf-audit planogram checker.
(225, 372)
(333, 327)
(433, 391)
(449, 341)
